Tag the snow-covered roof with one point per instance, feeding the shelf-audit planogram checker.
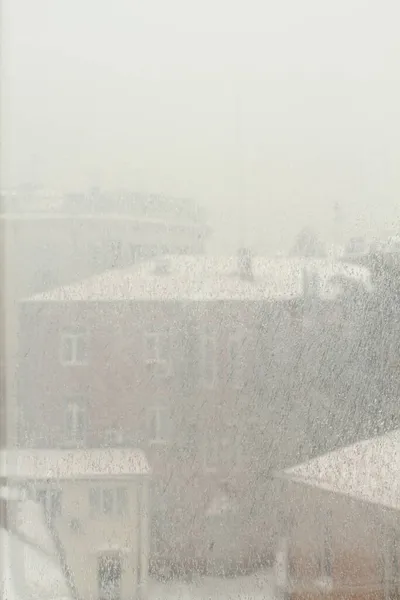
(72, 464)
(62, 216)
(368, 471)
(30, 567)
(202, 278)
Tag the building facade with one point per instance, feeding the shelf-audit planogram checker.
(55, 239)
(95, 504)
(208, 365)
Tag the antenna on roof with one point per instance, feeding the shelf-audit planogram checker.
(162, 266)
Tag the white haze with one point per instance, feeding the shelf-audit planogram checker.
(267, 112)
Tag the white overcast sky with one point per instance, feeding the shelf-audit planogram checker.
(266, 111)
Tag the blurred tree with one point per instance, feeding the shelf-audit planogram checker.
(307, 244)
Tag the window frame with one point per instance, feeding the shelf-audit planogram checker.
(97, 501)
(80, 404)
(122, 507)
(160, 364)
(108, 501)
(113, 437)
(74, 336)
(94, 506)
(116, 251)
(156, 412)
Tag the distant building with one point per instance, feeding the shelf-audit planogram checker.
(49, 239)
(340, 523)
(57, 239)
(215, 367)
(96, 508)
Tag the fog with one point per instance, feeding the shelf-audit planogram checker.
(266, 113)
(199, 336)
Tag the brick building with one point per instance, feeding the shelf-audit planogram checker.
(207, 364)
(341, 523)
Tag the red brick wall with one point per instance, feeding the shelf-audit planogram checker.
(119, 391)
(116, 381)
(358, 542)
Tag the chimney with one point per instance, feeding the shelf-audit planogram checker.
(245, 264)
(161, 266)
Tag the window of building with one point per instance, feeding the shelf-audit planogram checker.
(208, 358)
(113, 437)
(136, 253)
(157, 353)
(51, 501)
(158, 425)
(94, 500)
(122, 500)
(115, 254)
(74, 347)
(75, 421)
(108, 501)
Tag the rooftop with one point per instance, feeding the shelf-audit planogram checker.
(72, 464)
(97, 203)
(202, 278)
(366, 471)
